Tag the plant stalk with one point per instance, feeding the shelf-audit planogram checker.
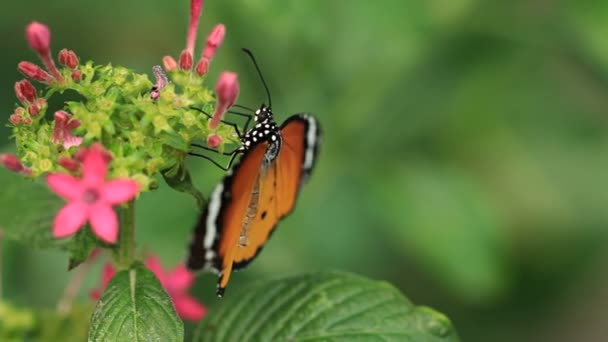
(125, 254)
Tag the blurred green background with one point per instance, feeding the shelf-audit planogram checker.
(464, 156)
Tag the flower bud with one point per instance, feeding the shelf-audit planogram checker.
(202, 67)
(38, 37)
(185, 60)
(20, 111)
(33, 71)
(76, 76)
(195, 13)
(63, 57)
(15, 119)
(27, 121)
(25, 91)
(214, 40)
(11, 162)
(214, 140)
(227, 90)
(169, 63)
(69, 163)
(62, 130)
(34, 110)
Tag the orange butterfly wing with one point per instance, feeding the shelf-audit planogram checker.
(246, 207)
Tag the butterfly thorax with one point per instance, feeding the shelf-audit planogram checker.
(264, 130)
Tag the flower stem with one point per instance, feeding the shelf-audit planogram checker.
(124, 256)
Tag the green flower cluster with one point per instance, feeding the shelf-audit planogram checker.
(145, 136)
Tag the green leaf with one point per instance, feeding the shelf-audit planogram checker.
(134, 307)
(28, 209)
(323, 307)
(80, 248)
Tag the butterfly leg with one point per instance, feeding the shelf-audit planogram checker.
(225, 168)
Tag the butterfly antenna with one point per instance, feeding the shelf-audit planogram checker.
(255, 63)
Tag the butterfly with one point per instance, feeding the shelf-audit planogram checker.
(256, 194)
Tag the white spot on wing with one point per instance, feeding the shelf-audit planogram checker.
(311, 138)
(215, 203)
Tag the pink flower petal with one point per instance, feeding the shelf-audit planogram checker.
(108, 272)
(119, 191)
(154, 265)
(69, 219)
(180, 279)
(188, 308)
(64, 185)
(94, 166)
(104, 222)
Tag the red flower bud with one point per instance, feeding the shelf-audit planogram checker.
(169, 63)
(25, 91)
(195, 13)
(27, 121)
(40, 102)
(34, 110)
(72, 61)
(185, 60)
(214, 40)
(76, 76)
(202, 67)
(15, 119)
(19, 111)
(227, 90)
(63, 57)
(33, 71)
(69, 163)
(11, 162)
(214, 140)
(39, 37)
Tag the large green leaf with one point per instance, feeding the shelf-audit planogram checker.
(27, 210)
(323, 307)
(134, 307)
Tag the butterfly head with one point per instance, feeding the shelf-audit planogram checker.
(263, 115)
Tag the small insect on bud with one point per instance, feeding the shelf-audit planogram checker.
(214, 140)
(185, 60)
(76, 76)
(227, 90)
(34, 72)
(68, 163)
(38, 37)
(15, 119)
(161, 81)
(169, 63)
(25, 91)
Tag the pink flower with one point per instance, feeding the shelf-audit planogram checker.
(185, 60)
(62, 131)
(68, 58)
(12, 163)
(90, 198)
(176, 283)
(196, 7)
(39, 38)
(33, 71)
(25, 91)
(214, 40)
(169, 63)
(227, 90)
(106, 275)
(214, 140)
